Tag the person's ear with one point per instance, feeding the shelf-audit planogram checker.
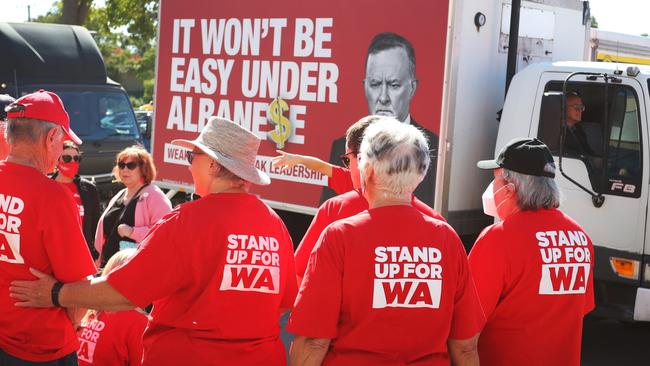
(52, 137)
(414, 85)
(214, 167)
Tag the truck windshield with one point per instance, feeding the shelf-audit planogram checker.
(97, 115)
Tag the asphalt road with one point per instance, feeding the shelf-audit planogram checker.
(612, 343)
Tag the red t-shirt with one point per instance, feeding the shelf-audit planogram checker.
(39, 228)
(534, 275)
(219, 269)
(112, 338)
(388, 286)
(340, 181)
(336, 208)
(77, 198)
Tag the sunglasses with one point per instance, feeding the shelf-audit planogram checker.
(192, 154)
(130, 165)
(345, 159)
(69, 158)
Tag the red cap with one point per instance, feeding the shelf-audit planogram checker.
(45, 106)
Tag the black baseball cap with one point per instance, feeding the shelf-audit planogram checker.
(523, 155)
(5, 100)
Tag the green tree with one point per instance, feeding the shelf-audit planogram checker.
(594, 22)
(125, 32)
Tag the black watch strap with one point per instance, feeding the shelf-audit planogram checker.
(55, 293)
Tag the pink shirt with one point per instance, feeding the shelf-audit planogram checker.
(152, 206)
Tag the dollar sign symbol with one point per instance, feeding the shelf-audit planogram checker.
(275, 115)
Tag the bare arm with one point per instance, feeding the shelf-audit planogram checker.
(464, 352)
(308, 351)
(287, 161)
(93, 294)
(75, 315)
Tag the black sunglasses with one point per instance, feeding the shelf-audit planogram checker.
(69, 158)
(131, 165)
(192, 154)
(345, 159)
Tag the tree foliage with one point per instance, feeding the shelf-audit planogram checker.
(594, 22)
(125, 32)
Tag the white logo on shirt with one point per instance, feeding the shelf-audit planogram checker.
(88, 340)
(253, 264)
(10, 223)
(567, 261)
(407, 277)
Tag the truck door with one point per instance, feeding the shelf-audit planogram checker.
(610, 159)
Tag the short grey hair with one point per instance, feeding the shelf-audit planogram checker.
(27, 130)
(397, 152)
(533, 192)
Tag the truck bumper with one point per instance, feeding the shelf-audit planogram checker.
(618, 297)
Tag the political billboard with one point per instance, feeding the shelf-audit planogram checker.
(297, 74)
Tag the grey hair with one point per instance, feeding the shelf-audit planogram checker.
(27, 130)
(398, 154)
(533, 192)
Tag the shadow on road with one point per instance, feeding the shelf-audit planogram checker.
(607, 342)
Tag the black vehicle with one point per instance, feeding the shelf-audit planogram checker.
(65, 59)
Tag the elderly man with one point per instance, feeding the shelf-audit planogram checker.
(534, 269)
(39, 228)
(346, 204)
(219, 270)
(390, 84)
(389, 285)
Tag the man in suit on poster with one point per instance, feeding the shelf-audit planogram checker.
(389, 85)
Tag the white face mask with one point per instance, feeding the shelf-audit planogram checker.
(489, 204)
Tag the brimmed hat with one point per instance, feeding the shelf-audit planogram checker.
(232, 146)
(43, 106)
(524, 155)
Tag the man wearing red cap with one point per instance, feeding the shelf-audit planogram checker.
(39, 228)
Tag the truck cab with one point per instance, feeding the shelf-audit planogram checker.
(65, 59)
(605, 183)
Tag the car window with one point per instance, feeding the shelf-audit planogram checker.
(98, 115)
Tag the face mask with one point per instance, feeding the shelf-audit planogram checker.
(489, 204)
(68, 169)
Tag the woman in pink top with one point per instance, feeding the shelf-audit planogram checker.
(134, 210)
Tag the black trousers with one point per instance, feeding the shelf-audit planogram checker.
(9, 360)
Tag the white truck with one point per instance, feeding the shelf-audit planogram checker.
(242, 60)
(606, 189)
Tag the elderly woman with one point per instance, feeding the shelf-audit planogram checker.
(534, 269)
(219, 270)
(135, 209)
(83, 191)
(390, 285)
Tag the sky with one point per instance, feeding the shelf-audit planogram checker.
(623, 16)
